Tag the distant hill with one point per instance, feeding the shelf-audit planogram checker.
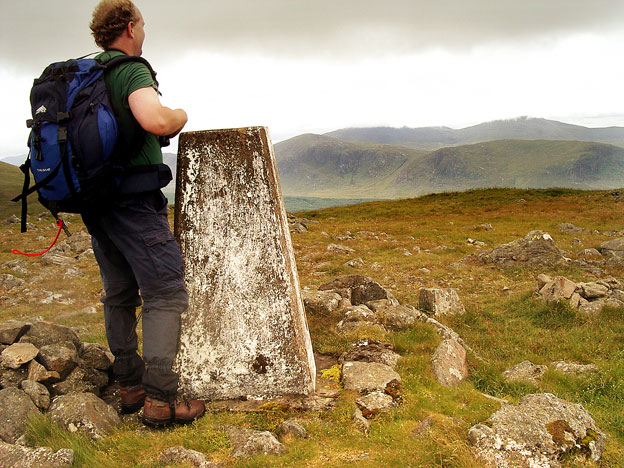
(15, 160)
(522, 128)
(11, 183)
(320, 166)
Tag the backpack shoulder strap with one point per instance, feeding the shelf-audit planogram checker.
(121, 59)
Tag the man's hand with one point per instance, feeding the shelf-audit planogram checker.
(153, 116)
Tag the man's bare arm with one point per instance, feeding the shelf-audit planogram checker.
(153, 116)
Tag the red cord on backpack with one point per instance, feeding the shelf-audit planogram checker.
(60, 225)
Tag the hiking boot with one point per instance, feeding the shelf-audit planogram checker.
(132, 398)
(160, 413)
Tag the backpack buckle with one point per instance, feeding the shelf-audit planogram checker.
(62, 134)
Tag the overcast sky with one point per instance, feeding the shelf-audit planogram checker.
(301, 66)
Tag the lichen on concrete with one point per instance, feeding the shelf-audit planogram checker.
(245, 332)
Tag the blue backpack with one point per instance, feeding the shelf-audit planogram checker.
(74, 157)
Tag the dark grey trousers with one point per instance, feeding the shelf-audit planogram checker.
(136, 251)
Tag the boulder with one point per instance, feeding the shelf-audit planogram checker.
(16, 456)
(559, 288)
(366, 377)
(571, 368)
(374, 403)
(37, 392)
(590, 253)
(16, 408)
(96, 356)
(84, 412)
(247, 442)
(371, 351)
(526, 371)
(440, 301)
(46, 333)
(321, 302)
(536, 248)
(59, 357)
(449, 363)
(12, 330)
(536, 433)
(18, 354)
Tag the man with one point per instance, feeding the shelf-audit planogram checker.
(132, 241)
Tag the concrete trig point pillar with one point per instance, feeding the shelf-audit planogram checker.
(245, 332)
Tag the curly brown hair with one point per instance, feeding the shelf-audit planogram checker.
(110, 19)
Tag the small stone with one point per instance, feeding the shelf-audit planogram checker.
(84, 412)
(339, 249)
(321, 302)
(355, 263)
(12, 330)
(292, 428)
(19, 353)
(17, 456)
(97, 356)
(571, 368)
(59, 357)
(440, 301)
(543, 280)
(449, 363)
(247, 442)
(361, 423)
(590, 253)
(37, 392)
(178, 455)
(374, 403)
(9, 282)
(365, 377)
(371, 351)
(16, 408)
(525, 371)
(38, 373)
(593, 290)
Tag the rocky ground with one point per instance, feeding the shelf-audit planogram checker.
(365, 291)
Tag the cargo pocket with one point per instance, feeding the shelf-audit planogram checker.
(165, 254)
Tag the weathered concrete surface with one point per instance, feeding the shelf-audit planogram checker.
(245, 332)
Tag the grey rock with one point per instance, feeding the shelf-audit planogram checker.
(536, 433)
(366, 377)
(613, 248)
(393, 317)
(292, 428)
(81, 379)
(247, 442)
(449, 363)
(542, 280)
(321, 302)
(371, 351)
(526, 371)
(97, 356)
(12, 377)
(558, 289)
(571, 228)
(360, 421)
(536, 248)
(37, 392)
(423, 427)
(374, 403)
(38, 373)
(78, 243)
(56, 259)
(592, 290)
(45, 333)
(362, 289)
(84, 412)
(59, 357)
(571, 368)
(18, 354)
(16, 456)
(12, 330)
(593, 307)
(9, 282)
(355, 263)
(339, 249)
(11, 220)
(440, 301)
(179, 454)
(590, 253)
(15, 409)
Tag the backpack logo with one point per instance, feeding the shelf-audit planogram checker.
(41, 110)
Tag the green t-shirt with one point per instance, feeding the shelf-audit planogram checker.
(122, 81)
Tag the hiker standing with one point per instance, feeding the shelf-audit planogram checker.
(132, 241)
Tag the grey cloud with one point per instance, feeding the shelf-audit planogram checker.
(36, 31)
